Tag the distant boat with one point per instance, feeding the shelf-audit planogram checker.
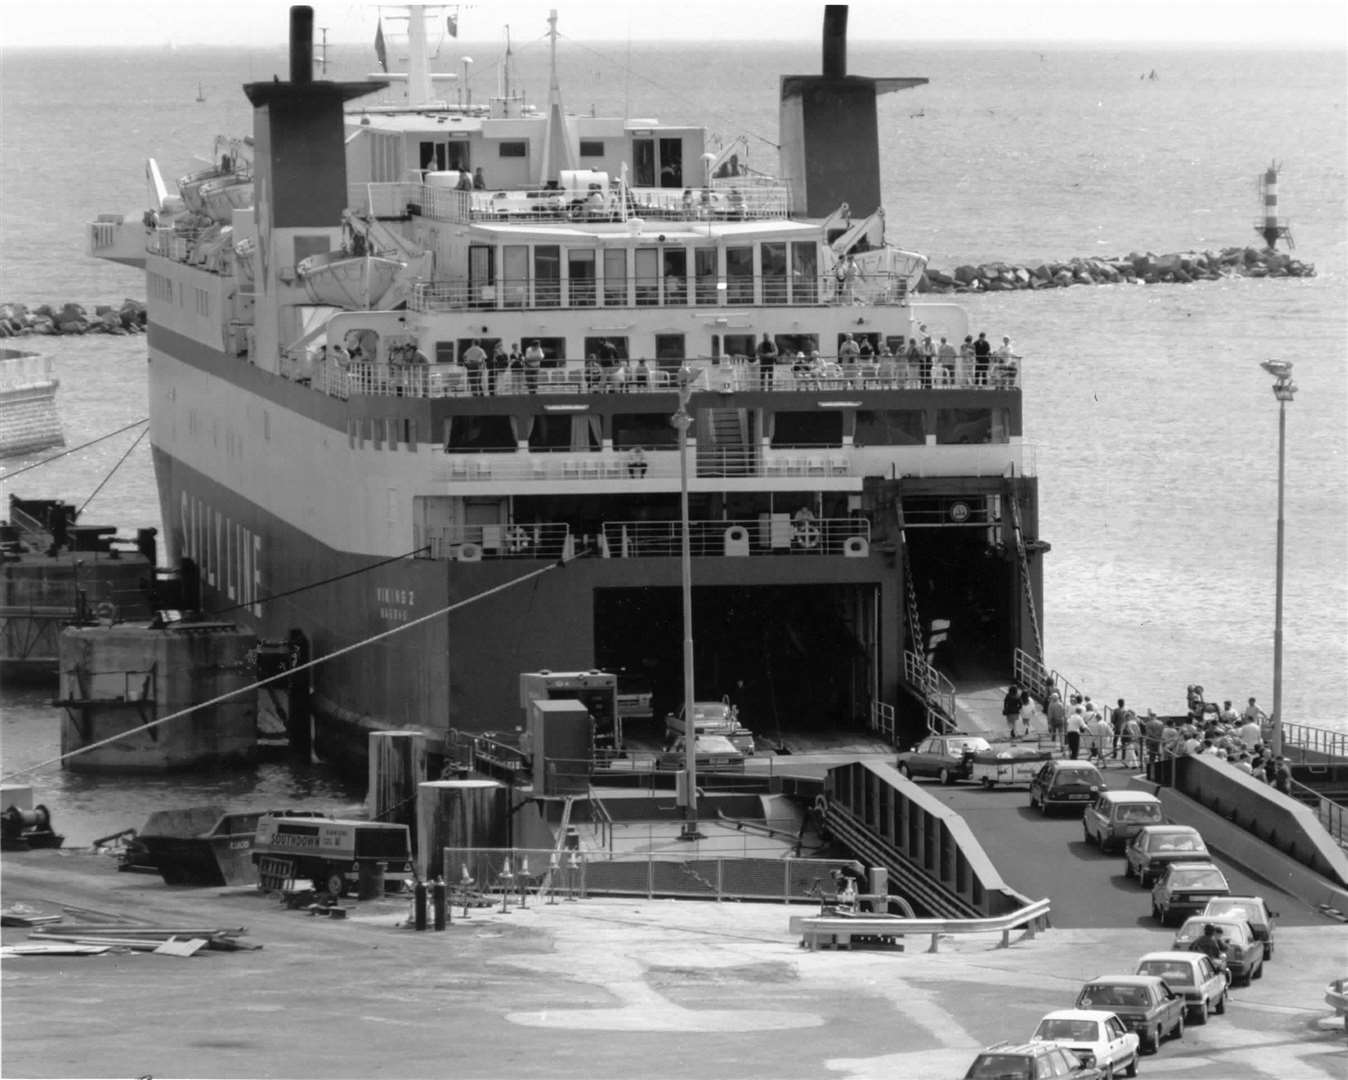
(201, 94)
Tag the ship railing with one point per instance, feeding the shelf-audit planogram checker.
(521, 540)
(768, 534)
(655, 464)
(884, 722)
(936, 690)
(1032, 675)
(173, 242)
(1311, 743)
(638, 291)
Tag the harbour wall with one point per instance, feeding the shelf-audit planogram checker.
(17, 320)
(1175, 268)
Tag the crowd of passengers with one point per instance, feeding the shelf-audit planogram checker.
(925, 362)
(1101, 733)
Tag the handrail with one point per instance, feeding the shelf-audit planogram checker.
(1316, 740)
(842, 928)
(1332, 815)
(937, 690)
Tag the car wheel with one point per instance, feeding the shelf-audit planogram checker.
(1268, 950)
(1127, 868)
(1177, 1032)
(1258, 972)
(1109, 1071)
(1201, 1012)
(988, 782)
(1220, 1007)
(904, 771)
(1132, 1067)
(1148, 1042)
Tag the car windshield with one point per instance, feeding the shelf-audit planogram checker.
(1096, 994)
(1064, 1030)
(1000, 1067)
(1139, 812)
(1244, 908)
(1175, 972)
(1197, 879)
(1079, 775)
(1176, 842)
(710, 712)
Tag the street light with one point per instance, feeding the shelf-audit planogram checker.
(683, 421)
(1283, 390)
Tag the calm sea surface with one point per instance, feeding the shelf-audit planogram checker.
(1155, 430)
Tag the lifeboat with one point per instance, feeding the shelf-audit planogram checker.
(354, 282)
(221, 196)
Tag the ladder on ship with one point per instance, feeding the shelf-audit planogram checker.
(1026, 584)
(723, 447)
(938, 693)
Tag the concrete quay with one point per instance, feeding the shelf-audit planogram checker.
(594, 988)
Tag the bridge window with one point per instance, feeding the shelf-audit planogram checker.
(670, 347)
(648, 276)
(804, 272)
(956, 426)
(591, 148)
(593, 346)
(642, 429)
(889, 427)
(773, 258)
(473, 433)
(804, 429)
(676, 276)
(788, 345)
(512, 148)
(615, 278)
(739, 275)
(547, 275)
(580, 273)
(740, 344)
(704, 273)
(671, 163)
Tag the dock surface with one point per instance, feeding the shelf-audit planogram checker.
(597, 988)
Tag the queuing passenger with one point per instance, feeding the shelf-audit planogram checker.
(1129, 737)
(1076, 722)
(1122, 714)
(982, 359)
(1282, 775)
(945, 354)
(1153, 729)
(1228, 714)
(1210, 943)
(1250, 732)
(533, 362)
(1057, 717)
(475, 360)
(1011, 705)
(964, 368)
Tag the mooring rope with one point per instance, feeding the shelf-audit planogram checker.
(77, 449)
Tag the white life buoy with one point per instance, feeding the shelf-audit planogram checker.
(805, 534)
(517, 539)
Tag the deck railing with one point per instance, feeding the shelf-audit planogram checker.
(1302, 739)
(767, 535)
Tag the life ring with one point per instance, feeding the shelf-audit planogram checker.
(517, 539)
(106, 611)
(805, 534)
(820, 804)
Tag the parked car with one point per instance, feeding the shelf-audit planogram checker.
(1029, 1061)
(946, 757)
(1244, 955)
(714, 753)
(1185, 889)
(1253, 910)
(1193, 975)
(1154, 846)
(1144, 1003)
(1091, 1032)
(714, 718)
(1117, 816)
(1065, 783)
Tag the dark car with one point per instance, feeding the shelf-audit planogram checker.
(1144, 1003)
(1254, 911)
(1244, 955)
(1065, 783)
(1030, 1061)
(1156, 846)
(1185, 889)
(946, 757)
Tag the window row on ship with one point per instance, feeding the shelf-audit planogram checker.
(755, 431)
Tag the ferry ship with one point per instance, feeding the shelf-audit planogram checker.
(341, 450)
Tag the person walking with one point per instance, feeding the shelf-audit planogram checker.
(1129, 734)
(1011, 709)
(1057, 717)
(1076, 722)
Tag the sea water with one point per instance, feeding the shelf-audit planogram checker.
(1154, 431)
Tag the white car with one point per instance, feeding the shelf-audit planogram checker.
(1093, 1032)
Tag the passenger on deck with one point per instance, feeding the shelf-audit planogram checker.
(982, 359)
(533, 363)
(945, 356)
(964, 366)
(475, 360)
(1056, 715)
(1076, 722)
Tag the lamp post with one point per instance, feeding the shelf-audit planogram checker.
(465, 94)
(682, 420)
(1283, 390)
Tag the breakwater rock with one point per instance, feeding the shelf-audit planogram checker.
(1136, 269)
(16, 320)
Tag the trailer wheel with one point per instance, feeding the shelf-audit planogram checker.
(333, 882)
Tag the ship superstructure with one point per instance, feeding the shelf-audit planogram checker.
(409, 354)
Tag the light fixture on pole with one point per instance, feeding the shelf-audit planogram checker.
(682, 420)
(1283, 390)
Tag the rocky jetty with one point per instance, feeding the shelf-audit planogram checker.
(1135, 269)
(17, 320)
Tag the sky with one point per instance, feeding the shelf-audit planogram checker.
(1319, 23)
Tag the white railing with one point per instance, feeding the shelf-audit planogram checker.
(521, 540)
(936, 689)
(838, 931)
(768, 534)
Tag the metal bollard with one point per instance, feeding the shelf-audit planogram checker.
(438, 903)
(419, 905)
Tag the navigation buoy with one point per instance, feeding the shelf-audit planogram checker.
(1271, 226)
